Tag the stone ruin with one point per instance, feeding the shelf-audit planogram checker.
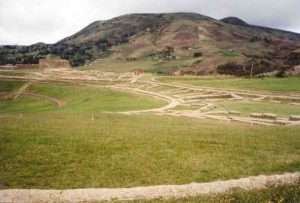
(53, 62)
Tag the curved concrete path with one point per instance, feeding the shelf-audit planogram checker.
(145, 193)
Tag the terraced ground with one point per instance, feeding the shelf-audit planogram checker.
(125, 130)
(286, 84)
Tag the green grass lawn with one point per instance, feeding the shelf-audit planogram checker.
(7, 86)
(79, 99)
(228, 53)
(269, 83)
(69, 150)
(248, 107)
(51, 147)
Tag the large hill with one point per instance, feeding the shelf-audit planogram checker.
(173, 36)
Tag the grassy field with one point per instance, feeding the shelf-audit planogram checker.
(59, 150)
(166, 67)
(147, 64)
(7, 86)
(119, 65)
(51, 147)
(78, 99)
(268, 83)
(228, 53)
(248, 107)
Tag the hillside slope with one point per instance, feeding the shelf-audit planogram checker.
(224, 45)
(176, 35)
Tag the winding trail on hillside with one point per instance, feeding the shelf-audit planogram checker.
(146, 192)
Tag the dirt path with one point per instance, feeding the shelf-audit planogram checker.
(184, 94)
(250, 93)
(172, 102)
(145, 193)
(204, 95)
(21, 90)
(181, 95)
(187, 97)
(54, 100)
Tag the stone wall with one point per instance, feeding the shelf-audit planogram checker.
(50, 62)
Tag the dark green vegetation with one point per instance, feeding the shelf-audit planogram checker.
(20, 55)
(229, 53)
(76, 54)
(273, 194)
(287, 84)
(170, 36)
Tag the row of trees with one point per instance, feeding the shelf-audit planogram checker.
(76, 54)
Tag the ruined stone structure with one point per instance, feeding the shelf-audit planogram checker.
(51, 62)
(297, 70)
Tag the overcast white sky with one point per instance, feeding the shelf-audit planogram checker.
(29, 21)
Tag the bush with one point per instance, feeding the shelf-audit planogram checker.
(197, 54)
(228, 53)
(280, 74)
(232, 69)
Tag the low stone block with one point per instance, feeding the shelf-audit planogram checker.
(234, 112)
(264, 115)
(294, 118)
(269, 116)
(256, 115)
(281, 122)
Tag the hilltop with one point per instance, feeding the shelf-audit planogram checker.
(224, 45)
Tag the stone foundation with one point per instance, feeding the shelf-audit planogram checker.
(50, 62)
